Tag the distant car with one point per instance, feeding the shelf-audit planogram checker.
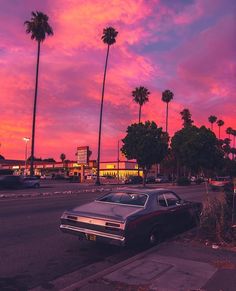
(31, 182)
(219, 183)
(19, 182)
(11, 182)
(134, 180)
(150, 179)
(162, 179)
(130, 215)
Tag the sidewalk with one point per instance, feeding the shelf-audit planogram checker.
(170, 266)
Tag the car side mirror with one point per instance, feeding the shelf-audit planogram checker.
(179, 202)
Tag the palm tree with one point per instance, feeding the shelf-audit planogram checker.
(38, 27)
(220, 123)
(167, 96)
(229, 131)
(140, 95)
(212, 119)
(62, 157)
(234, 135)
(109, 38)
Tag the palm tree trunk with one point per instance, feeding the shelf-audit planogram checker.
(100, 122)
(34, 114)
(167, 103)
(211, 126)
(139, 114)
(219, 132)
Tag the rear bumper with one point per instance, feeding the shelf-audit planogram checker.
(99, 236)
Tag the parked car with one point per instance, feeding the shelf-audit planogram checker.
(150, 179)
(31, 182)
(162, 179)
(18, 182)
(134, 180)
(130, 215)
(11, 182)
(219, 183)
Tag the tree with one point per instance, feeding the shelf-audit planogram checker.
(146, 143)
(62, 157)
(109, 38)
(38, 27)
(229, 131)
(2, 157)
(197, 149)
(234, 135)
(140, 95)
(220, 123)
(186, 117)
(167, 96)
(212, 119)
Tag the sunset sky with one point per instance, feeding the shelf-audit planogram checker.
(186, 46)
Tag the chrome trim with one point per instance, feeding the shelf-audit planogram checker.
(94, 221)
(89, 231)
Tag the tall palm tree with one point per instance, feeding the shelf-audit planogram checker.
(167, 96)
(140, 95)
(229, 131)
(109, 38)
(38, 27)
(234, 135)
(212, 119)
(220, 123)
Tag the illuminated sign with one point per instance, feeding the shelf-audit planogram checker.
(82, 155)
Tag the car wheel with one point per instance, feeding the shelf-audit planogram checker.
(154, 237)
(36, 186)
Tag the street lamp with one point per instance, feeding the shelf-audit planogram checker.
(26, 139)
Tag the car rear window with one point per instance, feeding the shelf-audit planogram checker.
(135, 199)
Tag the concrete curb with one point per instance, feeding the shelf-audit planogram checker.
(109, 270)
(46, 194)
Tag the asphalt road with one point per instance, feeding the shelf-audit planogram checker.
(32, 249)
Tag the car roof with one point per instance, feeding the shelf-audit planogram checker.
(143, 190)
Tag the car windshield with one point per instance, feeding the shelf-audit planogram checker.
(135, 199)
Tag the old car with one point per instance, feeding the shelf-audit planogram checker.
(19, 182)
(133, 180)
(130, 215)
(31, 182)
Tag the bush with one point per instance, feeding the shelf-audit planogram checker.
(215, 221)
(183, 181)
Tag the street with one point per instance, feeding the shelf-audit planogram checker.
(33, 251)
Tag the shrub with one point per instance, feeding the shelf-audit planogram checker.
(183, 181)
(215, 221)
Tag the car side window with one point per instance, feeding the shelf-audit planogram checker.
(161, 200)
(171, 199)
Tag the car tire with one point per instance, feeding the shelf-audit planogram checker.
(36, 186)
(154, 237)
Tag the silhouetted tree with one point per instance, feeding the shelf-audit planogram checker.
(186, 117)
(212, 119)
(109, 38)
(38, 27)
(220, 123)
(167, 96)
(146, 143)
(140, 95)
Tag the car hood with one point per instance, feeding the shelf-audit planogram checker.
(105, 210)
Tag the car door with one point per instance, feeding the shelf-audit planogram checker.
(176, 211)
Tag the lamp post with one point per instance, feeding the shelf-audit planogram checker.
(26, 139)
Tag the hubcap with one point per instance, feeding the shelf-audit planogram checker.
(152, 239)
